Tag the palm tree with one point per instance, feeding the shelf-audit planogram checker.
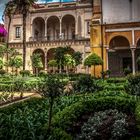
(23, 7)
(9, 11)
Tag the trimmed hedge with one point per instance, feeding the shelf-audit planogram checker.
(137, 114)
(133, 85)
(116, 80)
(68, 115)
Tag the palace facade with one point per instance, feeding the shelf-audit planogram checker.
(115, 35)
(53, 25)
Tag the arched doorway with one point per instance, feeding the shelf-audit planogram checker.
(53, 28)
(68, 27)
(119, 56)
(42, 55)
(51, 55)
(38, 28)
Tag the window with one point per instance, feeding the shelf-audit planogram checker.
(18, 32)
(88, 27)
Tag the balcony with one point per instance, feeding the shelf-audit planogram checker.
(54, 38)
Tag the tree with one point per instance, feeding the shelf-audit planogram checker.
(93, 59)
(1, 63)
(36, 62)
(52, 63)
(3, 50)
(51, 88)
(23, 6)
(59, 56)
(69, 61)
(77, 56)
(9, 11)
(15, 62)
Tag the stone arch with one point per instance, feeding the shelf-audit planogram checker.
(38, 28)
(68, 27)
(119, 41)
(42, 54)
(51, 56)
(111, 35)
(53, 28)
(119, 55)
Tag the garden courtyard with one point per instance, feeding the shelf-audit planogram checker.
(69, 107)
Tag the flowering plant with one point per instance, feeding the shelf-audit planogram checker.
(3, 31)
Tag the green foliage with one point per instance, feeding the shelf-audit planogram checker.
(25, 72)
(51, 87)
(109, 123)
(59, 134)
(1, 63)
(138, 60)
(93, 59)
(116, 80)
(2, 72)
(42, 73)
(105, 73)
(52, 63)
(137, 114)
(86, 84)
(127, 71)
(27, 116)
(36, 60)
(133, 85)
(67, 116)
(77, 56)
(69, 60)
(2, 50)
(15, 61)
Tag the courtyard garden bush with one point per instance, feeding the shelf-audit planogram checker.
(133, 84)
(68, 117)
(85, 84)
(25, 72)
(108, 124)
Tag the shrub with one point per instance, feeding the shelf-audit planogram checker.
(127, 71)
(59, 134)
(86, 83)
(25, 72)
(108, 124)
(116, 80)
(68, 115)
(137, 113)
(133, 84)
(2, 72)
(42, 73)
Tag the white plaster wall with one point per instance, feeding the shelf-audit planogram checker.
(136, 10)
(119, 11)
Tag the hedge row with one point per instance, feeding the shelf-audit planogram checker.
(64, 119)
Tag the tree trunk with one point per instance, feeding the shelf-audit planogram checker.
(50, 113)
(7, 42)
(60, 68)
(21, 95)
(94, 70)
(24, 39)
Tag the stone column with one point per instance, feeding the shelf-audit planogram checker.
(107, 66)
(133, 60)
(45, 29)
(60, 32)
(45, 51)
(76, 27)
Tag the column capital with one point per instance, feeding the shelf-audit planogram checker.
(132, 47)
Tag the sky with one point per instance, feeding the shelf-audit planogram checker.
(3, 2)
